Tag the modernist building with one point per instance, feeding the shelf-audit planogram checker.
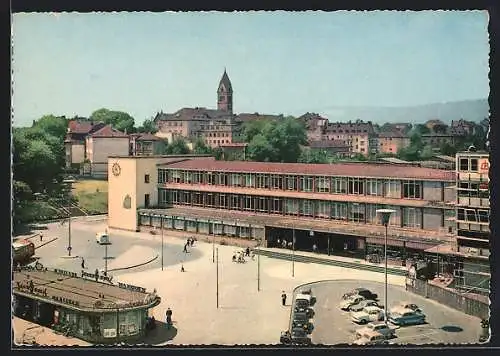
(95, 311)
(472, 221)
(330, 205)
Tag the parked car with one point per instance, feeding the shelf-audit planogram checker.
(298, 336)
(407, 317)
(305, 299)
(367, 315)
(297, 316)
(309, 311)
(367, 294)
(365, 303)
(345, 304)
(371, 338)
(306, 325)
(102, 238)
(406, 305)
(386, 330)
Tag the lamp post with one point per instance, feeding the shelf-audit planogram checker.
(293, 251)
(213, 241)
(69, 183)
(106, 243)
(161, 226)
(385, 215)
(217, 277)
(258, 266)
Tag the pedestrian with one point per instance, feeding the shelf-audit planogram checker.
(41, 237)
(182, 268)
(83, 263)
(192, 242)
(96, 275)
(248, 251)
(315, 248)
(283, 298)
(185, 248)
(278, 242)
(188, 242)
(168, 317)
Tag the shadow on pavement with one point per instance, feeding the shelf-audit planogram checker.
(28, 229)
(160, 335)
(452, 328)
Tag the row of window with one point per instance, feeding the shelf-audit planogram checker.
(473, 215)
(467, 164)
(355, 212)
(473, 190)
(359, 186)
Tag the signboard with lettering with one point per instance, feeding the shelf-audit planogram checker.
(484, 165)
(88, 275)
(66, 273)
(131, 287)
(109, 333)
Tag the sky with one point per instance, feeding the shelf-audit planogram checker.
(278, 62)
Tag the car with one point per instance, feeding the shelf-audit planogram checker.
(102, 238)
(382, 328)
(365, 303)
(371, 338)
(305, 299)
(406, 305)
(367, 294)
(306, 325)
(297, 336)
(309, 311)
(298, 316)
(407, 317)
(345, 304)
(367, 315)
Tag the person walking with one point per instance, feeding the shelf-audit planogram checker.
(83, 263)
(96, 275)
(182, 268)
(283, 298)
(41, 237)
(247, 252)
(185, 248)
(168, 317)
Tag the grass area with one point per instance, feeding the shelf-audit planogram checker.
(37, 210)
(92, 195)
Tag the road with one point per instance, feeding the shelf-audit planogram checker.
(444, 325)
(84, 245)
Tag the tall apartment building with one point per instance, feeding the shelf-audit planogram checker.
(357, 134)
(472, 270)
(330, 205)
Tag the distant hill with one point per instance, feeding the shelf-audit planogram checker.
(472, 110)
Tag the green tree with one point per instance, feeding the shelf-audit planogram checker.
(177, 147)
(421, 129)
(314, 156)
(147, 126)
(41, 166)
(201, 148)
(55, 126)
(253, 128)
(119, 120)
(427, 152)
(447, 149)
(259, 149)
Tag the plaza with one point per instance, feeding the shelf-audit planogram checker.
(245, 315)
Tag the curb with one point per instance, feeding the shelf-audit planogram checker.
(134, 266)
(47, 242)
(69, 257)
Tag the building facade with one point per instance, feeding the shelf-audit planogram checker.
(472, 245)
(392, 141)
(144, 144)
(74, 143)
(331, 205)
(357, 134)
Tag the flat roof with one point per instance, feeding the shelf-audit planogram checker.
(370, 170)
(75, 292)
(160, 156)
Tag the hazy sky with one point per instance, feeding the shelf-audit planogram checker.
(72, 64)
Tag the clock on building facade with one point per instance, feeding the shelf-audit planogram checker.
(116, 169)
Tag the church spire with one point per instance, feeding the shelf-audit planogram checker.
(225, 94)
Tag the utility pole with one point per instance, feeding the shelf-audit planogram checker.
(213, 241)
(217, 278)
(69, 183)
(258, 267)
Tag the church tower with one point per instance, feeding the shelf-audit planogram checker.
(225, 94)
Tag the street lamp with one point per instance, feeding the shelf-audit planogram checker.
(213, 241)
(293, 251)
(69, 182)
(385, 215)
(161, 226)
(106, 243)
(258, 265)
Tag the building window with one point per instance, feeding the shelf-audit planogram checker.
(306, 208)
(162, 176)
(338, 211)
(235, 180)
(291, 206)
(277, 182)
(262, 181)
(276, 206)
(188, 177)
(464, 164)
(355, 186)
(146, 178)
(374, 187)
(249, 203)
(461, 214)
(291, 182)
(471, 215)
(473, 165)
(322, 184)
(262, 204)
(323, 209)
(250, 180)
(412, 217)
(357, 212)
(339, 185)
(484, 216)
(223, 201)
(176, 176)
(146, 200)
(412, 190)
(235, 202)
(306, 184)
(197, 199)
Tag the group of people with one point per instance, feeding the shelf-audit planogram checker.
(189, 243)
(284, 243)
(239, 256)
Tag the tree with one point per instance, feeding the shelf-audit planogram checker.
(259, 149)
(447, 149)
(147, 126)
(41, 166)
(427, 152)
(56, 126)
(177, 147)
(253, 128)
(314, 156)
(117, 119)
(201, 148)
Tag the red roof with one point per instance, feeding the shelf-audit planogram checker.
(81, 127)
(337, 169)
(108, 131)
(147, 137)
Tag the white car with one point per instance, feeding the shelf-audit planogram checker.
(371, 338)
(102, 238)
(406, 305)
(380, 328)
(346, 303)
(368, 314)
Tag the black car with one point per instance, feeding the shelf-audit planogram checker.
(367, 294)
(306, 325)
(309, 311)
(299, 336)
(298, 316)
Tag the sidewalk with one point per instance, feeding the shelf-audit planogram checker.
(134, 257)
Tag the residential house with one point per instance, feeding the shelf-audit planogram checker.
(315, 126)
(463, 126)
(392, 141)
(337, 148)
(145, 144)
(435, 125)
(356, 134)
(74, 142)
(101, 144)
